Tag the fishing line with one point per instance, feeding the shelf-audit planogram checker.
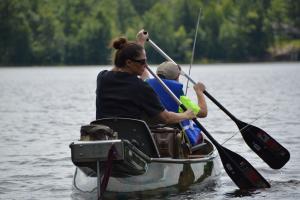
(259, 117)
(193, 51)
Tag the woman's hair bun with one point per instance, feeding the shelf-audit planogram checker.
(119, 43)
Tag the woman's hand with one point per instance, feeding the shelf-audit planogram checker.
(141, 37)
(189, 114)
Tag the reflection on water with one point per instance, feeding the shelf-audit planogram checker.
(42, 109)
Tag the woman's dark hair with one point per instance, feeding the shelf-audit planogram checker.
(125, 50)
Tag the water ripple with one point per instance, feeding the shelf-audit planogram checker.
(38, 122)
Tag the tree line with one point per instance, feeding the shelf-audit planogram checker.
(79, 32)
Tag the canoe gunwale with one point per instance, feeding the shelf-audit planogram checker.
(205, 158)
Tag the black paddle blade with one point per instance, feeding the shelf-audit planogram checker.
(243, 174)
(267, 148)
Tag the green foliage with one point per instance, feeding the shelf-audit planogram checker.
(14, 33)
(77, 32)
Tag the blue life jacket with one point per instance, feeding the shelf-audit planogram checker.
(192, 131)
(166, 100)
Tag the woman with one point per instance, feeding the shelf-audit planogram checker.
(121, 93)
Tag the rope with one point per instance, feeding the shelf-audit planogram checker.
(108, 168)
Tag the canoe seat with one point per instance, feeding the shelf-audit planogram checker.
(168, 140)
(135, 131)
(203, 148)
(198, 146)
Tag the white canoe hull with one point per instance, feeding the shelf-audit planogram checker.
(132, 161)
(160, 173)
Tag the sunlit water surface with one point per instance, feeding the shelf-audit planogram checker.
(42, 109)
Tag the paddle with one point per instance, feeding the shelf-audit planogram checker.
(243, 174)
(266, 147)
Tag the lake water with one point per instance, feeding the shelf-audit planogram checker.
(42, 109)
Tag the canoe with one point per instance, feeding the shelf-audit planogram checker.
(133, 162)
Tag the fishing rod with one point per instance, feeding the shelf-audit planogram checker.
(266, 147)
(193, 51)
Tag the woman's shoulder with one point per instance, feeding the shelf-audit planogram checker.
(103, 72)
